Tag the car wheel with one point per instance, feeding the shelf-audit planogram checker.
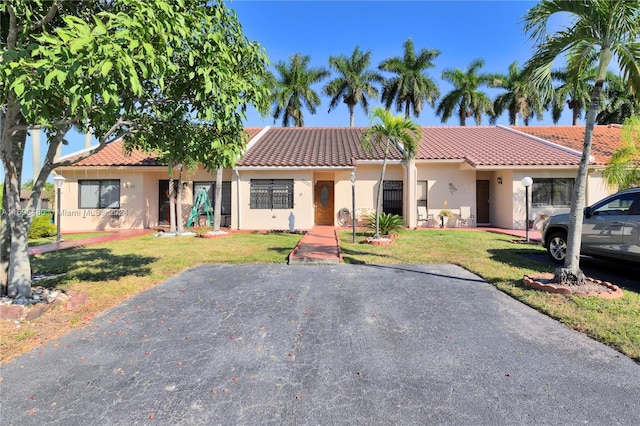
(557, 246)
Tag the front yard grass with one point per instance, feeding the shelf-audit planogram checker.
(113, 272)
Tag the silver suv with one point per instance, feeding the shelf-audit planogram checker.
(611, 229)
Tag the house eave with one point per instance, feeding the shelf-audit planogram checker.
(526, 167)
(140, 168)
(292, 168)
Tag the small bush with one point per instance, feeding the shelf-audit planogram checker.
(41, 227)
(388, 223)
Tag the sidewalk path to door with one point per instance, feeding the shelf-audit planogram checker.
(320, 245)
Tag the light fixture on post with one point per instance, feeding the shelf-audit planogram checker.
(527, 182)
(58, 181)
(352, 176)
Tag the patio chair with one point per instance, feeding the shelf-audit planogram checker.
(466, 218)
(424, 217)
(422, 214)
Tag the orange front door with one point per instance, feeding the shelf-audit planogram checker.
(324, 203)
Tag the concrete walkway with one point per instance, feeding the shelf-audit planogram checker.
(320, 245)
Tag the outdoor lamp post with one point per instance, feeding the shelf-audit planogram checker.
(58, 181)
(353, 203)
(527, 182)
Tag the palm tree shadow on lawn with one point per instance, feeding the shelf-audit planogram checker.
(89, 264)
(350, 256)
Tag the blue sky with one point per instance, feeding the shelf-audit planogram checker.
(461, 30)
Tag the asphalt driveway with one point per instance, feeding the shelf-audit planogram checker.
(343, 344)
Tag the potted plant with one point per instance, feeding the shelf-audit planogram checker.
(444, 216)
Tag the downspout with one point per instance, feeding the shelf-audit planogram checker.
(238, 196)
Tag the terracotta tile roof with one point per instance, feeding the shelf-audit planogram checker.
(311, 147)
(113, 155)
(490, 146)
(337, 146)
(605, 138)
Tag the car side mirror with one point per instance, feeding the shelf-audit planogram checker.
(588, 212)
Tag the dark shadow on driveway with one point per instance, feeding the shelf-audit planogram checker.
(420, 270)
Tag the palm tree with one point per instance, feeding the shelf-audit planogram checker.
(410, 87)
(619, 103)
(293, 89)
(520, 98)
(396, 130)
(575, 90)
(355, 82)
(623, 170)
(608, 28)
(465, 96)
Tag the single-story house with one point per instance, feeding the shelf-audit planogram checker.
(25, 195)
(304, 175)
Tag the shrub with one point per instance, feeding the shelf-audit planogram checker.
(41, 227)
(388, 223)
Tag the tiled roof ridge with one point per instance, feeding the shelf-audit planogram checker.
(256, 138)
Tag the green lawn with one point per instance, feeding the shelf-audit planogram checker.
(113, 272)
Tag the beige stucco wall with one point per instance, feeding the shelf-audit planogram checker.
(137, 204)
(367, 176)
(243, 217)
(449, 187)
(596, 190)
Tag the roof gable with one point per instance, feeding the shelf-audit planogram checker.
(606, 139)
(490, 146)
(114, 155)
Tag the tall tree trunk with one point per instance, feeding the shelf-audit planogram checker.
(172, 201)
(380, 189)
(352, 121)
(19, 268)
(36, 157)
(217, 209)
(5, 243)
(179, 224)
(407, 110)
(575, 114)
(571, 273)
(15, 278)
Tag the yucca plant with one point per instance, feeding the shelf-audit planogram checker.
(387, 222)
